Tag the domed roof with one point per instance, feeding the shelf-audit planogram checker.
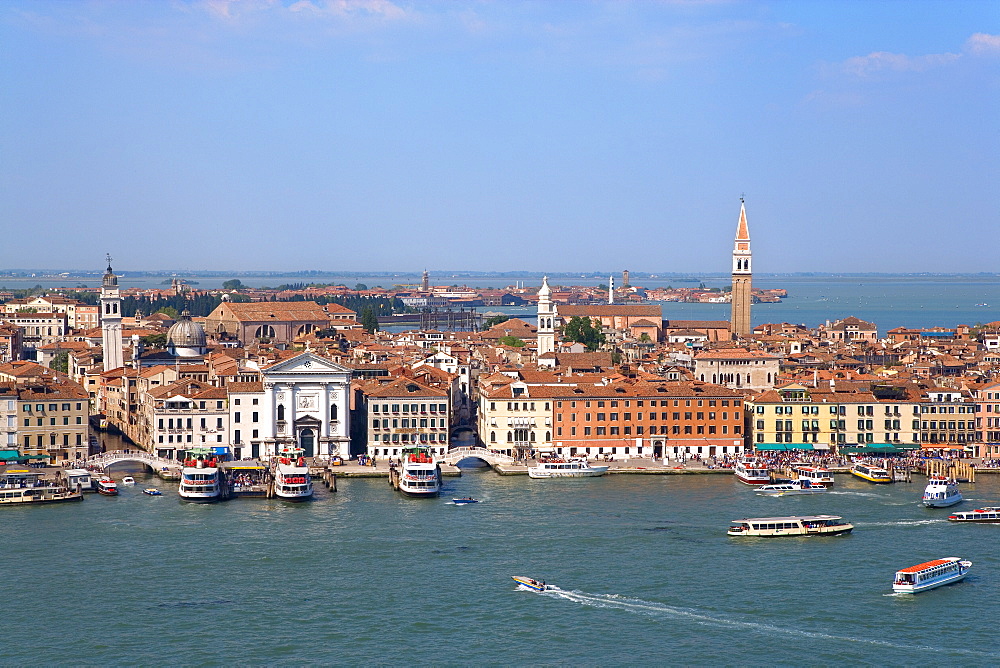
(186, 335)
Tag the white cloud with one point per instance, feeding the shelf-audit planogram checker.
(883, 61)
(348, 8)
(983, 44)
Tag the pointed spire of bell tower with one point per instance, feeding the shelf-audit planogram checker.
(741, 296)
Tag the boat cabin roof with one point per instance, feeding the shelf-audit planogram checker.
(928, 564)
(793, 518)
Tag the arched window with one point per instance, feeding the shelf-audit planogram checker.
(532, 438)
(548, 436)
(510, 437)
(333, 412)
(493, 436)
(281, 411)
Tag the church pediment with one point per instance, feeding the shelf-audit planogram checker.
(305, 364)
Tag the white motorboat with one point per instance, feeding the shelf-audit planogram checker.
(565, 468)
(805, 525)
(532, 583)
(752, 471)
(200, 477)
(106, 486)
(799, 486)
(989, 515)
(128, 480)
(930, 574)
(419, 474)
(291, 476)
(817, 475)
(941, 492)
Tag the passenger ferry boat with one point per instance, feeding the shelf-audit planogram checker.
(106, 486)
(990, 515)
(200, 477)
(817, 475)
(752, 471)
(532, 583)
(21, 484)
(805, 525)
(565, 468)
(420, 474)
(871, 473)
(291, 476)
(941, 492)
(799, 486)
(930, 574)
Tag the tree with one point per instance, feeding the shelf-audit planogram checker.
(60, 362)
(233, 284)
(644, 338)
(368, 320)
(495, 320)
(170, 311)
(155, 340)
(360, 286)
(582, 330)
(510, 341)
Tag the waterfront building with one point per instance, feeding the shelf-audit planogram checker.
(737, 368)
(111, 320)
(515, 417)
(46, 418)
(741, 296)
(302, 402)
(546, 342)
(988, 421)
(947, 418)
(182, 415)
(405, 413)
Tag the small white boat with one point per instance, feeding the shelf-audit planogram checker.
(799, 486)
(930, 574)
(565, 468)
(532, 583)
(128, 480)
(941, 492)
(752, 471)
(989, 515)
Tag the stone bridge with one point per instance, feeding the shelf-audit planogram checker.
(106, 459)
(456, 455)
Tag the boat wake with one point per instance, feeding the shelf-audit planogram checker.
(653, 609)
(902, 523)
(866, 494)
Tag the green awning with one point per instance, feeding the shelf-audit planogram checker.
(36, 457)
(783, 446)
(874, 449)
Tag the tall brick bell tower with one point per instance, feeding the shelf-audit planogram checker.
(739, 322)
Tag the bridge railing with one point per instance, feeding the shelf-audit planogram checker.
(457, 454)
(106, 458)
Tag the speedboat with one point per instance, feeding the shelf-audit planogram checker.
(875, 474)
(107, 486)
(930, 574)
(799, 486)
(563, 468)
(752, 471)
(291, 476)
(805, 525)
(200, 477)
(420, 475)
(152, 491)
(128, 480)
(990, 515)
(466, 500)
(941, 492)
(532, 583)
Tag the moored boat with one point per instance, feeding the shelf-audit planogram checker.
(941, 492)
(989, 515)
(291, 476)
(565, 468)
(107, 486)
(752, 471)
(419, 474)
(875, 474)
(804, 525)
(930, 574)
(200, 477)
(799, 486)
(817, 475)
(23, 484)
(532, 583)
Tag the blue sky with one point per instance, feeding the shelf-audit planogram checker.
(545, 136)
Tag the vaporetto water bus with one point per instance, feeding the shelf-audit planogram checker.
(752, 471)
(565, 468)
(817, 475)
(875, 474)
(22, 484)
(930, 574)
(420, 474)
(941, 492)
(291, 476)
(989, 515)
(200, 477)
(804, 525)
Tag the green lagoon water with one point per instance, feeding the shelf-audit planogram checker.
(366, 576)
